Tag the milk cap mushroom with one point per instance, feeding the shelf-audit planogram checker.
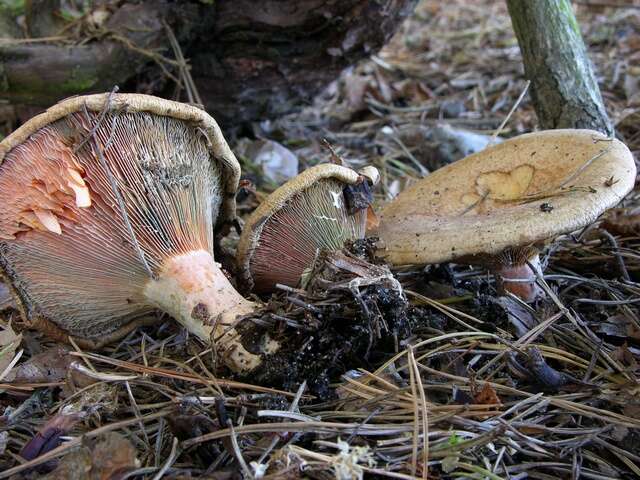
(321, 208)
(494, 207)
(109, 206)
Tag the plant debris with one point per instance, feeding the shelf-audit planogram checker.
(406, 373)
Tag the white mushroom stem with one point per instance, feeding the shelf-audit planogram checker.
(517, 277)
(193, 289)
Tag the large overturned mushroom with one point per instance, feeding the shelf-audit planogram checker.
(321, 208)
(494, 208)
(109, 207)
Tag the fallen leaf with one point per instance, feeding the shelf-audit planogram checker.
(48, 437)
(624, 356)
(110, 457)
(531, 430)
(487, 396)
(372, 219)
(47, 367)
(620, 326)
(9, 342)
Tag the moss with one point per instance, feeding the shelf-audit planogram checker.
(78, 84)
(12, 7)
(565, 7)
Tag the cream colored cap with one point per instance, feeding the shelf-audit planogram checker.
(524, 190)
(135, 102)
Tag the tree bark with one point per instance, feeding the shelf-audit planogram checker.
(250, 59)
(563, 84)
(41, 73)
(263, 59)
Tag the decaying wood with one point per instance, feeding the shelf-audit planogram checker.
(41, 73)
(250, 60)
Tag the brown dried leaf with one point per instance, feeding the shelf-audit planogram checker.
(531, 430)
(624, 356)
(372, 219)
(487, 396)
(111, 457)
(47, 367)
(620, 326)
(9, 342)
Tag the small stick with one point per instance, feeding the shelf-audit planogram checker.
(237, 452)
(511, 112)
(172, 458)
(292, 408)
(616, 252)
(101, 117)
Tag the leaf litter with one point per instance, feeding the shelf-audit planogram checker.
(413, 372)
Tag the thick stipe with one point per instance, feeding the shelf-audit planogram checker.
(65, 241)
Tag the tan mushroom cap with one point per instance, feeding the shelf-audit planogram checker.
(135, 102)
(254, 225)
(522, 191)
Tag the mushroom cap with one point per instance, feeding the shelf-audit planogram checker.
(66, 247)
(525, 190)
(295, 260)
(135, 102)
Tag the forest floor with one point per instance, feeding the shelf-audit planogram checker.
(381, 381)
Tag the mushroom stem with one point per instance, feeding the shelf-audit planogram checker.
(517, 277)
(194, 290)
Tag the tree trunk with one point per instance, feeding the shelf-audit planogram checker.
(250, 59)
(41, 73)
(564, 88)
(262, 59)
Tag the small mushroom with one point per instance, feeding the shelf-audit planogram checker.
(321, 208)
(495, 207)
(109, 207)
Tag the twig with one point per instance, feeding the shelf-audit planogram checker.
(237, 452)
(173, 456)
(292, 408)
(511, 112)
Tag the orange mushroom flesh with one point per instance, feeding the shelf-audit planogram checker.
(494, 207)
(321, 208)
(107, 218)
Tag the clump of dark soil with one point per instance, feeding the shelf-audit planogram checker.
(352, 320)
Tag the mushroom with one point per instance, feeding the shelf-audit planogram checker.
(109, 207)
(497, 207)
(321, 208)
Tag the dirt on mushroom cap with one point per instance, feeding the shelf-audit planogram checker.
(492, 200)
